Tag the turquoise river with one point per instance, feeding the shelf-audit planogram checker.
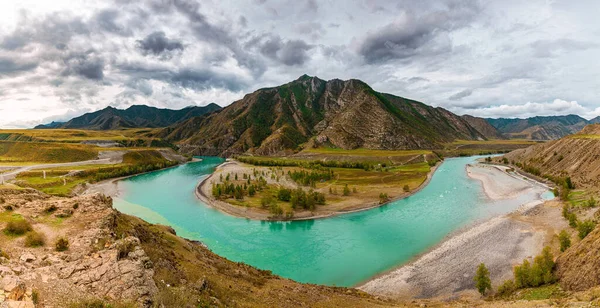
(344, 250)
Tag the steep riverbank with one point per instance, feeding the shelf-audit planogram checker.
(499, 242)
(203, 192)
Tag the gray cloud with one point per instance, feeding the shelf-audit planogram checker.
(86, 65)
(460, 95)
(413, 34)
(431, 51)
(290, 53)
(107, 21)
(189, 77)
(10, 67)
(52, 30)
(158, 44)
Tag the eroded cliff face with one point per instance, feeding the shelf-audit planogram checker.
(576, 156)
(313, 112)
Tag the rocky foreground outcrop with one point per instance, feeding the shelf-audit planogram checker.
(119, 260)
(96, 265)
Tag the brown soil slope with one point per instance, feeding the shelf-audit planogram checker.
(577, 156)
(579, 267)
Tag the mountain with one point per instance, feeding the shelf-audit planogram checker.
(540, 128)
(134, 116)
(595, 120)
(50, 125)
(484, 127)
(576, 156)
(313, 112)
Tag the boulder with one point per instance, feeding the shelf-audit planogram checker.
(27, 257)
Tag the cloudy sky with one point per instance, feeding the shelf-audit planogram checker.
(494, 58)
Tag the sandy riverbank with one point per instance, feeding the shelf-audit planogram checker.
(498, 184)
(501, 242)
(203, 192)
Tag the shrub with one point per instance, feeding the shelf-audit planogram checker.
(76, 205)
(267, 200)
(406, 188)
(569, 184)
(8, 207)
(17, 227)
(565, 240)
(585, 227)
(506, 289)
(482, 279)
(284, 194)
(62, 244)
(276, 209)
(35, 297)
(34, 239)
(383, 198)
(346, 191)
(591, 203)
(51, 208)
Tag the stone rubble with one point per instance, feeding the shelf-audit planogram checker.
(97, 264)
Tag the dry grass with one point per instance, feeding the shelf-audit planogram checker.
(17, 227)
(34, 239)
(46, 152)
(71, 135)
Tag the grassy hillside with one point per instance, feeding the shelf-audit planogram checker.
(21, 152)
(310, 112)
(63, 181)
(71, 135)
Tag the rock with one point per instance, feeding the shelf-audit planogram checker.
(4, 271)
(18, 304)
(18, 269)
(27, 257)
(8, 283)
(17, 292)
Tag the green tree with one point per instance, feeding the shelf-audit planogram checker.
(251, 190)
(406, 188)
(521, 273)
(568, 183)
(483, 283)
(565, 240)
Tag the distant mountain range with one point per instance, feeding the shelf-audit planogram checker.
(311, 112)
(541, 128)
(132, 117)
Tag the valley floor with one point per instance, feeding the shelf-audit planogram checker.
(500, 243)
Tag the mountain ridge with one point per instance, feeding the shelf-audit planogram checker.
(540, 127)
(136, 116)
(313, 112)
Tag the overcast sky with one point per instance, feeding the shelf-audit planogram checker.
(501, 58)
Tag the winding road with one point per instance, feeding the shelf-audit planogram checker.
(104, 158)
